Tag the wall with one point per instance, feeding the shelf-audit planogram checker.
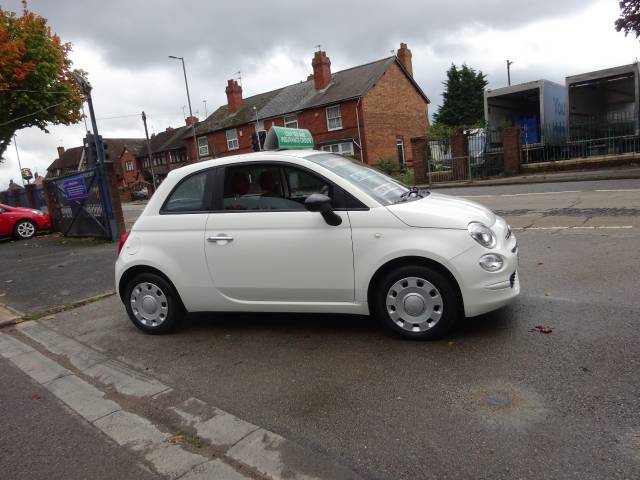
(393, 109)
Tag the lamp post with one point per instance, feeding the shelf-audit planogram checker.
(193, 127)
(15, 144)
(509, 63)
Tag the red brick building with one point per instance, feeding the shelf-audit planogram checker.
(370, 111)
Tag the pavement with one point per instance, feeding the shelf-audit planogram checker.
(335, 396)
(618, 173)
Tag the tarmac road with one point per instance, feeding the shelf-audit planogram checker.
(496, 399)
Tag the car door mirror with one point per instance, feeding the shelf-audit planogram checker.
(317, 202)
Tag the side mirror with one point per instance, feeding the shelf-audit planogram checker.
(317, 202)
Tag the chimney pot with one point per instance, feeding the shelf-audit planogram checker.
(404, 57)
(60, 152)
(188, 121)
(321, 70)
(234, 96)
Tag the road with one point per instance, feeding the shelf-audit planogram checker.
(496, 399)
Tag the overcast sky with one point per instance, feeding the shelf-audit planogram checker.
(123, 45)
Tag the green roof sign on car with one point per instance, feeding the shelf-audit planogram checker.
(280, 138)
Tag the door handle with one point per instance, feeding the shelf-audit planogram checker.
(220, 238)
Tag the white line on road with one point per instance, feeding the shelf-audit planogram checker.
(550, 193)
(595, 227)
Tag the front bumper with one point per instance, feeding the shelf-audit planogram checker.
(484, 291)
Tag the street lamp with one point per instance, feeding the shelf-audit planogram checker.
(193, 127)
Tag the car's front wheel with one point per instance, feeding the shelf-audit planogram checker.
(416, 302)
(153, 304)
(25, 229)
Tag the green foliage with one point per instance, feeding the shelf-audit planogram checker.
(439, 131)
(37, 86)
(387, 166)
(463, 98)
(629, 20)
(405, 176)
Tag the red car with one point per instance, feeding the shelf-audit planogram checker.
(22, 223)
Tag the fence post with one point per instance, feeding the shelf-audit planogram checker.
(29, 190)
(49, 197)
(419, 152)
(512, 150)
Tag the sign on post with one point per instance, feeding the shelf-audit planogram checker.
(75, 188)
(26, 174)
(280, 138)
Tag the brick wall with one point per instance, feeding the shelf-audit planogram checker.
(393, 110)
(511, 149)
(419, 154)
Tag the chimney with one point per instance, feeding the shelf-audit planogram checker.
(60, 152)
(170, 129)
(404, 57)
(321, 70)
(310, 77)
(234, 96)
(189, 121)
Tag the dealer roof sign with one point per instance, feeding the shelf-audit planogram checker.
(280, 138)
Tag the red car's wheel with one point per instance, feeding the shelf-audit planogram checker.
(24, 229)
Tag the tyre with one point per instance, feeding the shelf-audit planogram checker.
(24, 229)
(153, 304)
(416, 302)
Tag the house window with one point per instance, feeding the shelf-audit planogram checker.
(232, 139)
(203, 146)
(400, 147)
(128, 166)
(334, 118)
(342, 148)
(291, 121)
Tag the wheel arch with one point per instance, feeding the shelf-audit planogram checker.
(131, 272)
(413, 261)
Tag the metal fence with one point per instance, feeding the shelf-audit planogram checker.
(78, 206)
(479, 156)
(583, 137)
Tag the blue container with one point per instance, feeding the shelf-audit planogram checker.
(529, 131)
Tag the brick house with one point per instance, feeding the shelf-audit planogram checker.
(168, 152)
(68, 161)
(370, 112)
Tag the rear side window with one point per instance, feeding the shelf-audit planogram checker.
(190, 195)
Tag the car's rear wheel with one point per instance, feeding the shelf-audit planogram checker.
(153, 304)
(416, 302)
(25, 229)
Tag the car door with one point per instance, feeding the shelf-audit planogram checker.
(5, 222)
(262, 245)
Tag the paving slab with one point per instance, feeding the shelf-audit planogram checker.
(214, 470)
(39, 367)
(124, 379)
(10, 346)
(82, 397)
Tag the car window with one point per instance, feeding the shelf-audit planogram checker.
(188, 196)
(269, 187)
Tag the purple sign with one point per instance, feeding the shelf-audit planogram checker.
(75, 188)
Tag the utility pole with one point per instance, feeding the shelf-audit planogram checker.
(509, 63)
(193, 126)
(146, 133)
(15, 144)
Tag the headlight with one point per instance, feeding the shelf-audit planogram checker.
(37, 212)
(482, 234)
(491, 262)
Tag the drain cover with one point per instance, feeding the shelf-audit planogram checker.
(498, 399)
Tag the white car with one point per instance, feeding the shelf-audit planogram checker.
(311, 231)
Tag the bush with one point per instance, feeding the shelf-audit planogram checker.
(406, 177)
(387, 166)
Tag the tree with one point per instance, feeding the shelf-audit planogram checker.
(629, 20)
(37, 86)
(463, 98)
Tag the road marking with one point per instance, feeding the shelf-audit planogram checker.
(621, 190)
(549, 193)
(595, 227)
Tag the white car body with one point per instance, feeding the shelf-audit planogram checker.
(293, 261)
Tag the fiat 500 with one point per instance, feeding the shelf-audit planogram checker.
(310, 231)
